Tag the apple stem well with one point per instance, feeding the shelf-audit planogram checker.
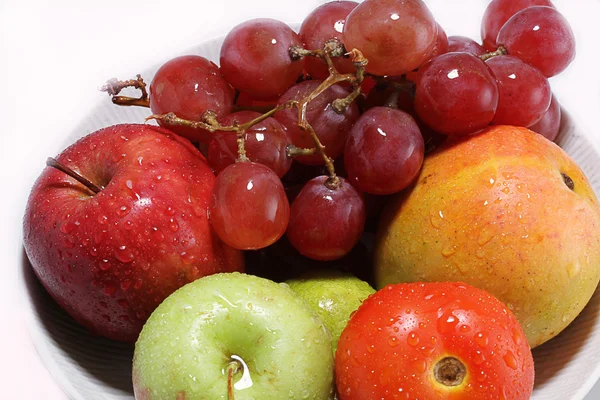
(232, 368)
(51, 162)
(449, 371)
(209, 121)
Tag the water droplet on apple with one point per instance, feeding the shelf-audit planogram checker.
(125, 284)
(137, 284)
(510, 360)
(491, 181)
(105, 265)
(123, 303)
(110, 289)
(102, 220)
(67, 227)
(106, 317)
(173, 225)
(187, 258)
(413, 339)
(124, 318)
(170, 211)
(481, 339)
(506, 190)
(123, 255)
(123, 211)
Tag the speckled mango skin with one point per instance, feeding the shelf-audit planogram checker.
(186, 345)
(493, 210)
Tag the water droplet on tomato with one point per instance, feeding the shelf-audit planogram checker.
(481, 376)
(393, 341)
(124, 255)
(412, 339)
(170, 211)
(479, 358)
(481, 339)
(516, 335)
(510, 360)
(464, 328)
(447, 323)
(419, 365)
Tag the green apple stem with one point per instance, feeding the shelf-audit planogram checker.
(293, 151)
(51, 162)
(501, 51)
(114, 86)
(232, 368)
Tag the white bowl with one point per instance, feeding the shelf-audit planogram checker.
(90, 368)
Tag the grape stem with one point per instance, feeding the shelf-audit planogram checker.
(501, 51)
(114, 86)
(209, 121)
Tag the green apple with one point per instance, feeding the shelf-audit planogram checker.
(261, 332)
(334, 295)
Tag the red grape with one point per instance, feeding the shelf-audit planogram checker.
(330, 126)
(456, 94)
(523, 92)
(384, 151)
(265, 143)
(249, 209)
(325, 224)
(324, 23)
(189, 86)
(396, 36)
(255, 57)
(498, 12)
(244, 100)
(549, 125)
(441, 42)
(465, 44)
(540, 36)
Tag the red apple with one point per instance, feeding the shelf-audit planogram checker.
(110, 258)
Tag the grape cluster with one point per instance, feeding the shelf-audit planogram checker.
(347, 108)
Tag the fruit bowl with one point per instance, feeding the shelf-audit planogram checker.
(91, 368)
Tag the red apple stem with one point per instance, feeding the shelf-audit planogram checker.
(210, 123)
(114, 86)
(51, 162)
(501, 51)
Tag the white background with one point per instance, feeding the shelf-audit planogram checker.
(54, 54)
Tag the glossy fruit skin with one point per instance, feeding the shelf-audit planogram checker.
(441, 42)
(255, 57)
(331, 128)
(540, 36)
(111, 258)
(384, 151)
(189, 86)
(493, 210)
(524, 94)
(498, 12)
(325, 224)
(196, 331)
(389, 348)
(549, 125)
(465, 44)
(396, 36)
(265, 143)
(334, 295)
(322, 24)
(456, 94)
(248, 208)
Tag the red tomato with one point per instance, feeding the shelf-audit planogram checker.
(433, 341)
